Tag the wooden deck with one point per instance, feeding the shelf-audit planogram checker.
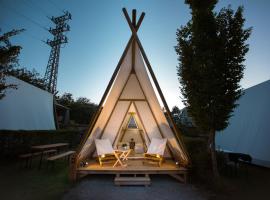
(135, 167)
(132, 166)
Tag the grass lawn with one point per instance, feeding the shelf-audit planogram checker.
(252, 182)
(33, 184)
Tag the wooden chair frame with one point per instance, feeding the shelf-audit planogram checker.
(156, 158)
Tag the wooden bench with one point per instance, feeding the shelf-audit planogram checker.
(29, 156)
(66, 154)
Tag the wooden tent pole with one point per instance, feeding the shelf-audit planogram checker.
(176, 131)
(140, 21)
(133, 43)
(134, 17)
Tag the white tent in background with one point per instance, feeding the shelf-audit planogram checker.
(249, 128)
(130, 108)
(26, 108)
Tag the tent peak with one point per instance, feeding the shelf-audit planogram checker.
(133, 24)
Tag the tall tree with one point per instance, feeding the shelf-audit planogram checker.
(8, 59)
(83, 100)
(176, 112)
(211, 50)
(66, 99)
(81, 110)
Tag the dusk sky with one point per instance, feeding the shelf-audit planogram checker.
(99, 33)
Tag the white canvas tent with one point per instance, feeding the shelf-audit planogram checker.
(26, 108)
(131, 93)
(249, 128)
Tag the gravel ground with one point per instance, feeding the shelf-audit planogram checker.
(163, 187)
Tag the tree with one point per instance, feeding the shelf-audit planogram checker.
(81, 110)
(66, 99)
(32, 77)
(211, 49)
(8, 59)
(176, 112)
(83, 100)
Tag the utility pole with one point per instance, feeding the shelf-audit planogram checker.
(61, 26)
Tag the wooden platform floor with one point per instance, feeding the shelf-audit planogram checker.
(133, 167)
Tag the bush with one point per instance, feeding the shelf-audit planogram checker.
(13, 143)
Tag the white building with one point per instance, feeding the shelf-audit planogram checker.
(249, 128)
(26, 108)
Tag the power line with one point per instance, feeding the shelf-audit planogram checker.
(56, 6)
(33, 6)
(25, 33)
(25, 17)
(40, 8)
(33, 37)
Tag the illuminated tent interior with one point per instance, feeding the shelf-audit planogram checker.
(130, 108)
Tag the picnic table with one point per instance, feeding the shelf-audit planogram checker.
(46, 147)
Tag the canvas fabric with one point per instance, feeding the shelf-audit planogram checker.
(132, 90)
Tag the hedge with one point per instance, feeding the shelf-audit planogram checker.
(13, 143)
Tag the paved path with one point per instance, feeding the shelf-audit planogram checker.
(99, 187)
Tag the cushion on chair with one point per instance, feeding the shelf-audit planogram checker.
(104, 146)
(157, 146)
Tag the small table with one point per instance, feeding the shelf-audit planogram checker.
(123, 155)
(42, 148)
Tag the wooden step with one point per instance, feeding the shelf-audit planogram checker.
(132, 180)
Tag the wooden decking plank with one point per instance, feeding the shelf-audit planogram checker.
(134, 167)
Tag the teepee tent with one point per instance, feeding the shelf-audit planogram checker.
(130, 108)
